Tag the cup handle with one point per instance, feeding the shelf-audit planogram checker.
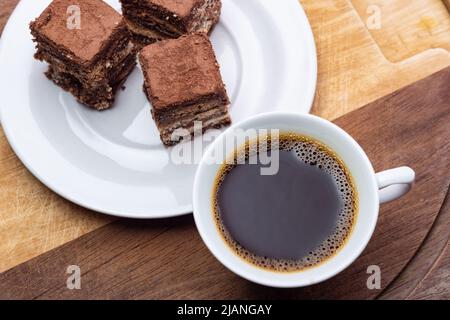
(394, 183)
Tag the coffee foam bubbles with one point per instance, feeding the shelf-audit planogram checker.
(316, 154)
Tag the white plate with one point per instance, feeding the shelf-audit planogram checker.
(113, 161)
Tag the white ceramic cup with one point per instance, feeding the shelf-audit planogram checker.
(372, 189)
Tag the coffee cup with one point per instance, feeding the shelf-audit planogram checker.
(372, 189)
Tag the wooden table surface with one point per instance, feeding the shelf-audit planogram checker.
(358, 63)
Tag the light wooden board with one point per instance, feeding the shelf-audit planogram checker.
(406, 26)
(353, 70)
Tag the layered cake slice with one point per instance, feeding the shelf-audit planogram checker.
(88, 48)
(153, 20)
(184, 85)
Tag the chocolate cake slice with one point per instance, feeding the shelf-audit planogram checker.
(184, 85)
(153, 20)
(88, 48)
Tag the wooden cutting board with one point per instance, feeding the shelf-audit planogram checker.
(357, 64)
(166, 259)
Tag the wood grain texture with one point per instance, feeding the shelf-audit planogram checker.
(426, 262)
(436, 283)
(352, 72)
(6, 8)
(33, 219)
(166, 258)
(447, 4)
(407, 27)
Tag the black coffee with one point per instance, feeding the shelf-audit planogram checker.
(292, 220)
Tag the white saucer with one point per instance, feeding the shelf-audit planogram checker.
(113, 161)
